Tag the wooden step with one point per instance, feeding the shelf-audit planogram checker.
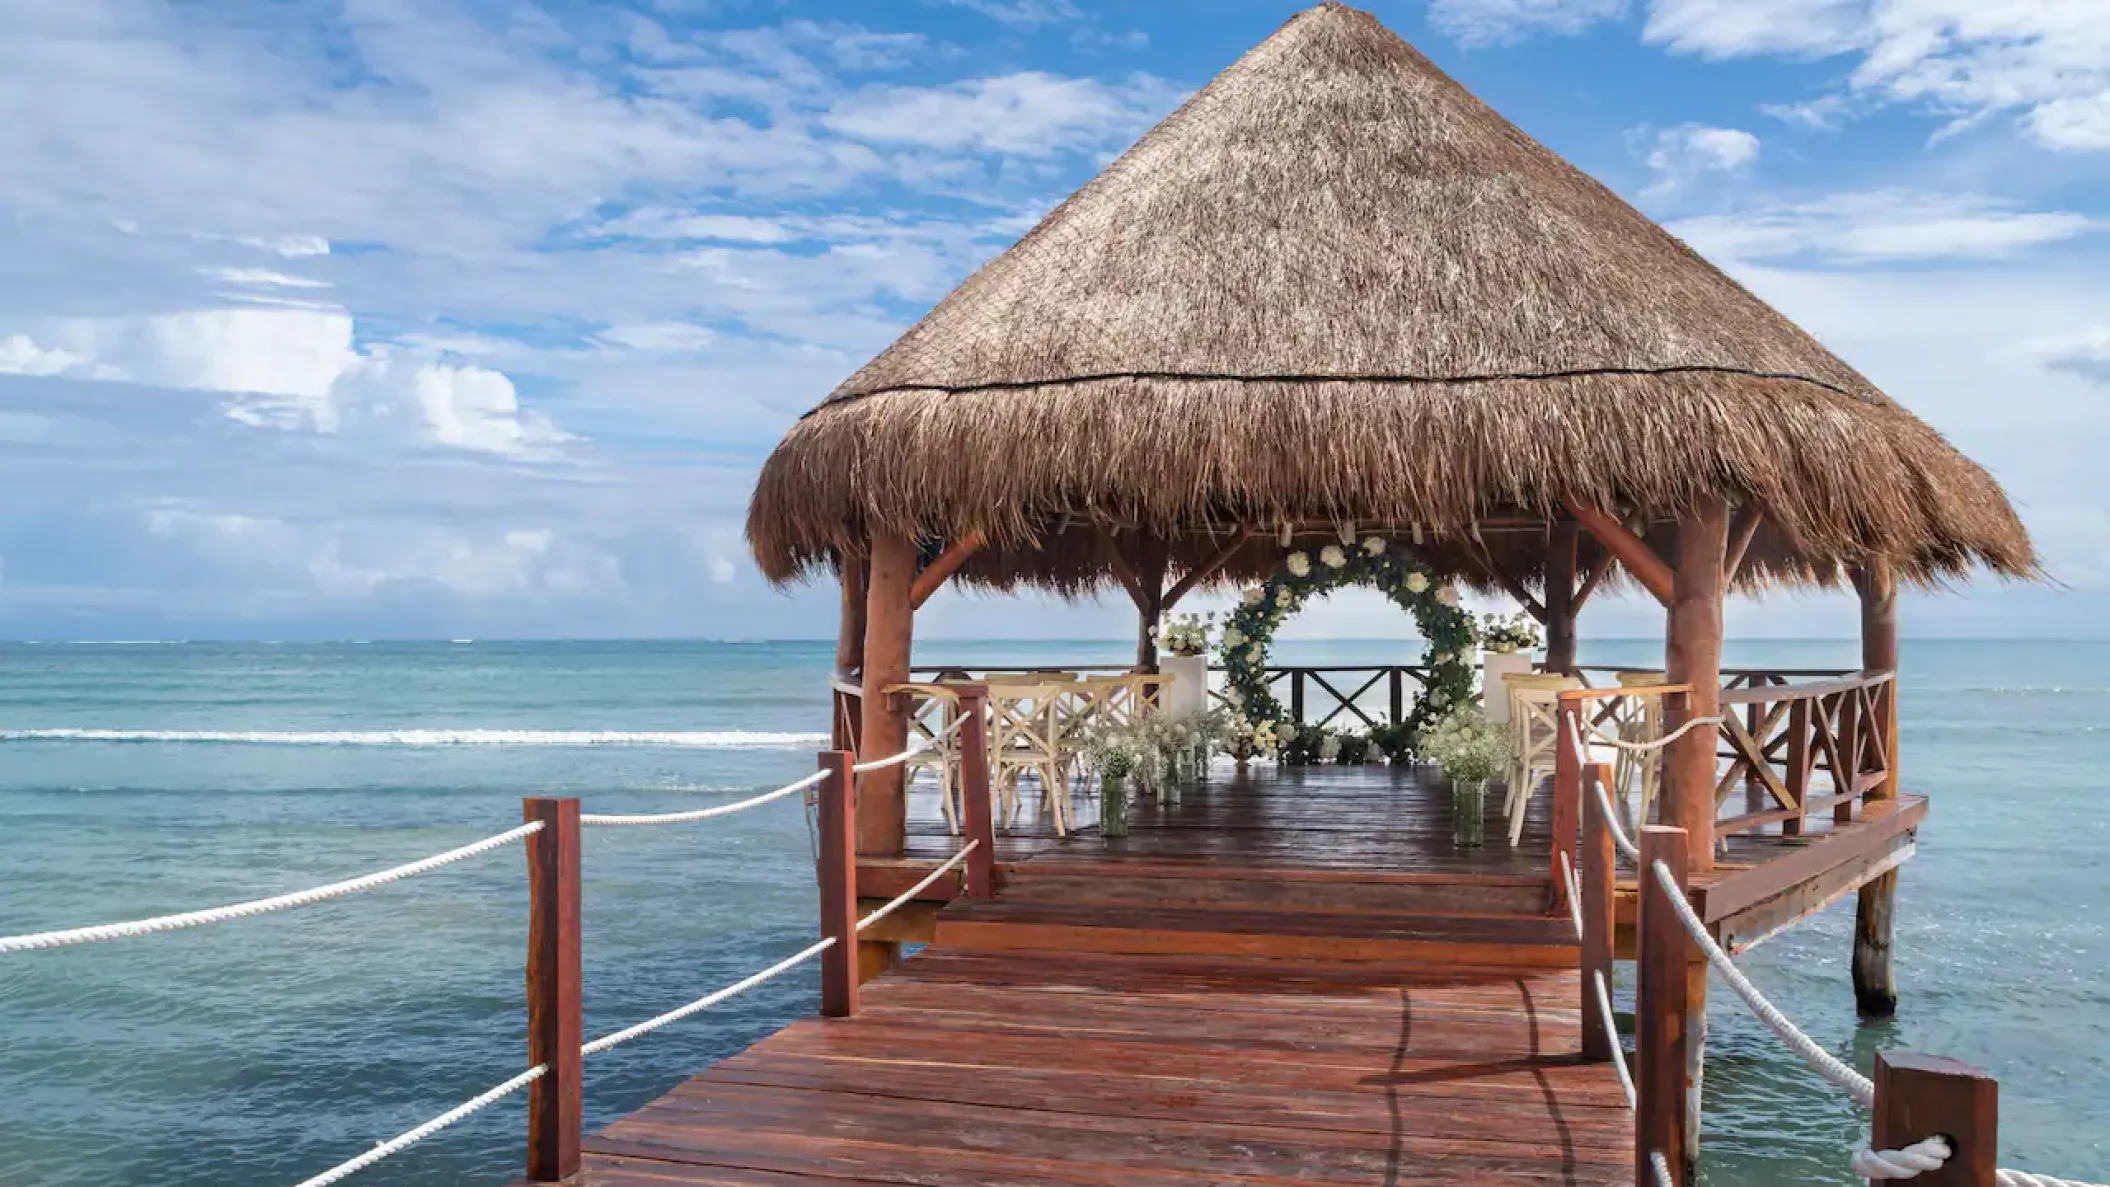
(1175, 885)
(1479, 940)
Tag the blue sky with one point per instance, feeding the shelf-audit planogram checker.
(462, 318)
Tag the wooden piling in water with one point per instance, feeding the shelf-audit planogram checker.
(1875, 976)
(556, 1022)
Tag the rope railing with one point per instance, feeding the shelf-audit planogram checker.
(409, 1138)
(1619, 743)
(707, 1000)
(300, 898)
(605, 819)
(915, 748)
(903, 899)
(1604, 1007)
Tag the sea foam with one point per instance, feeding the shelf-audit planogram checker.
(426, 738)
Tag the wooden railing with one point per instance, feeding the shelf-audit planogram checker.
(1779, 735)
(1319, 689)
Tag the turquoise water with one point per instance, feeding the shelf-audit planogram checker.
(261, 1051)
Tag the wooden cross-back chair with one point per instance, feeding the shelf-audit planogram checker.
(1534, 732)
(1025, 736)
(934, 709)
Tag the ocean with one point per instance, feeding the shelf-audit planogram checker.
(137, 779)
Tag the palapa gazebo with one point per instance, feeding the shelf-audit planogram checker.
(1334, 288)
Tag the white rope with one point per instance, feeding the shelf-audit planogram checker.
(917, 747)
(1927, 1155)
(1853, 1083)
(1661, 1166)
(1611, 820)
(1574, 893)
(707, 1001)
(1657, 744)
(2012, 1178)
(302, 898)
(707, 813)
(950, 865)
(405, 1141)
(1611, 1030)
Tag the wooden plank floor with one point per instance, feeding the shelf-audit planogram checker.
(1079, 1068)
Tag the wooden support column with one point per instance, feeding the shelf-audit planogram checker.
(979, 823)
(836, 829)
(1560, 597)
(847, 722)
(1875, 974)
(882, 804)
(1661, 1014)
(1596, 876)
(1150, 605)
(1920, 1096)
(1693, 655)
(556, 1021)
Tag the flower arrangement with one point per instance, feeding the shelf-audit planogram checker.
(1471, 748)
(1249, 629)
(1185, 634)
(1509, 634)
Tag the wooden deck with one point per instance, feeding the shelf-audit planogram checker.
(1288, 977)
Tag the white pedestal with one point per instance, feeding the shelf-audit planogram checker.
(1494, 695)
(1188, 695)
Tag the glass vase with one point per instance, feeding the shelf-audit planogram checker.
(1468, 813)
(1113, 806)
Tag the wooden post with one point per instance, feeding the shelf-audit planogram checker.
(1661, 1013)
(882, 802)
(1296, 697)
(1596, 875)
(1798, 780)
(1875, 976)
(838, 881)
(1567, 793)
(1560, 596)
(979, 824)
(1693, 655)
(556, 1022)
(849, 651)
(1150, 607)
(1398, 693)
(1920, 1096)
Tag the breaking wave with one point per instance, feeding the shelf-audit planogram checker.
(431, 738)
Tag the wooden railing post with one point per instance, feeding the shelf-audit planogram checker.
(1596, 875)
(556, 1024)
(1661, 1041)
(1799, 755)
(1567, 793)
(979, 817)
(838, 882)
(1398, 692)
(1922, 1096)
(1296, 697)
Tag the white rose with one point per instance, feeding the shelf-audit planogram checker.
(1447, 595)
(1374, 545)
(1299, 564)
(1233, 636)
(1253, 596)
(1417, 583)
(1282, 597)
(1332, 557)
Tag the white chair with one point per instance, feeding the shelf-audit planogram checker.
(936, 709)
(1534, 730)
(1640, 720)
(1025, 735)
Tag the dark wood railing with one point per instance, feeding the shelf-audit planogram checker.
(1318, 689)
(1779, 734)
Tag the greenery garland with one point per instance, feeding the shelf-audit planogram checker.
(1250, 632)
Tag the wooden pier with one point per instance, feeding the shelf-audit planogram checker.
(1287, 976)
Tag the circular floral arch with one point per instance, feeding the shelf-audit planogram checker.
(1250, 632)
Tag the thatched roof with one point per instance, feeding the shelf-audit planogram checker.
(1335, 286)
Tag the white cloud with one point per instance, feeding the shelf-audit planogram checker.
(2085, 353)
(1021, 13)
(1726, 28)
(261, 276)
(2047, 61)
(667, 336)
(1684, 154)
(661, 223)
(1029, 114)
(294, 370)
(1499, 22)
(1882, 225)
